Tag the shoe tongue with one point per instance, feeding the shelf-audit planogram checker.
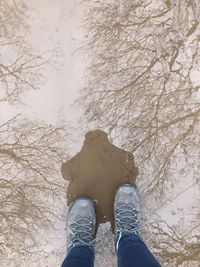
(127, 219)
(127, 213)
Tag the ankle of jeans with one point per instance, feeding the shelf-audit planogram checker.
(89, 248)
(120, 238)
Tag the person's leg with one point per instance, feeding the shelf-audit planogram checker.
(81, 234)
(79, 256)
(132, 252)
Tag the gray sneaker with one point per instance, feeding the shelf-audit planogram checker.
(127, 208)
(81, 224)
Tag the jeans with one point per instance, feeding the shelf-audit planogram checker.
(132, 252)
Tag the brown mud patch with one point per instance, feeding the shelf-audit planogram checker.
(97, 171)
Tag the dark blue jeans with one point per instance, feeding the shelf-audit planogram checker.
(132, 252)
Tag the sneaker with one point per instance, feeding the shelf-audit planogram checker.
(127, 208)
(81, 224)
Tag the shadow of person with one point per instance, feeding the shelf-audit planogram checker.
(97, 171)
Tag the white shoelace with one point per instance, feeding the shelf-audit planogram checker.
(127, 219)
(82, 232)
